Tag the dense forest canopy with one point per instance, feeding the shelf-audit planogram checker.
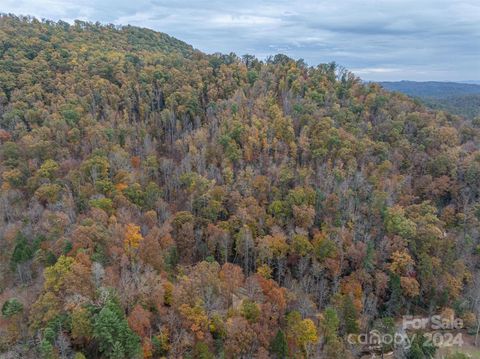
(160, 202)
(462, 105)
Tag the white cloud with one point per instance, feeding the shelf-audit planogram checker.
(243, 21)
(375, 70)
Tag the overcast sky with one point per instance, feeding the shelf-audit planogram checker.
(376, 39)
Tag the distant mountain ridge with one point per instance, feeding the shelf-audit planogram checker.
(458, 98)
(475, 82)
(435, 89)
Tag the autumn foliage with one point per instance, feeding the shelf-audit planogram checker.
(160, 202)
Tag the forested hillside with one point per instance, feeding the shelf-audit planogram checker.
(160, 202)
(458, 98)
(432, 89)
(463, 105)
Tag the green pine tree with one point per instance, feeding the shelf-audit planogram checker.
(46, 350)
(117, 351)
(349, 315)
(114, 336)
(279, 345)
(11, 307)
(394, 303)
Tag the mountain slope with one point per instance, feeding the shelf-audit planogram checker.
(457, 98)
(464, 105)
(160, 202)
(432, 89)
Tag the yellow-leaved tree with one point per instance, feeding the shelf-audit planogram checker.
(132, 239)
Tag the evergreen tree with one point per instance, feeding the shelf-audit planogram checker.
(23, 251)
(46, 350)
(115, 338)
(11, 307)
(279, 345)
(421, 348)
(349, 315)
(394, 303)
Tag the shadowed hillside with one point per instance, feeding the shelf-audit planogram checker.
(458, 98)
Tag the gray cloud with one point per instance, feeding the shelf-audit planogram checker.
(377, 39)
